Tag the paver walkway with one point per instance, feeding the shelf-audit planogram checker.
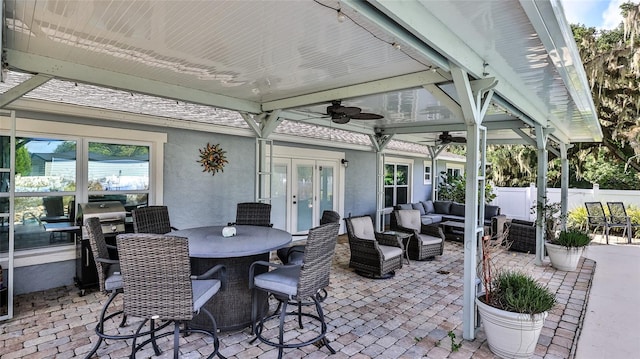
(408, 316)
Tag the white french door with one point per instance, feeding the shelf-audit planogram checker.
(302, 189)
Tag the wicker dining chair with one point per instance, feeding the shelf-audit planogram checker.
(295, 253)
(151, 219)
(427, 241)
(298, 283)
(110, 281)
(373, 254)
(158, 285)
(253, 214)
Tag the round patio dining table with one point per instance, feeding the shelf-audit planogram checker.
(231, 307)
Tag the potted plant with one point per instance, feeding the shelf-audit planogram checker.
(512, 308)
(565, 250)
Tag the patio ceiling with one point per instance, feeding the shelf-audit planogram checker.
(291, 58)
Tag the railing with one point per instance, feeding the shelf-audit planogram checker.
(516, 202)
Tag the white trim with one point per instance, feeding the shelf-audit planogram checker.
(45, 255)
(424, 172)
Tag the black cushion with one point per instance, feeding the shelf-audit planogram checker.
(428, 207)
(419, 207)
(442, 207)
(457, 209)
(491, 211)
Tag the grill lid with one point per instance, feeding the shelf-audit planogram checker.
(105, 211)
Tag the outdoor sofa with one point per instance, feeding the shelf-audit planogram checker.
(436, 212)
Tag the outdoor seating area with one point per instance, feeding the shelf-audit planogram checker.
(408, 316)
(616, 219)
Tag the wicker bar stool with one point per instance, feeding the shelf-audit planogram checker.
(158, 285)
(297, 283)
(110, 281)
(151, 219)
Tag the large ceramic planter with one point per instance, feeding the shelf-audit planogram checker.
(563, 258)
(510, 335)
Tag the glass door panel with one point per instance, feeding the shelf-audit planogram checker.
(303, 195)
(279, 195)
(326, 187)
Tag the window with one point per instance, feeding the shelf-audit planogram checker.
(68, 165)
(454, 172)
(427, 173)
(396, 184)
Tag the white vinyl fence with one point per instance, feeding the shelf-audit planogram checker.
(516, 202)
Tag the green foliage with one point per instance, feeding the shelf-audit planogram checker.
(23, 161)
(577, 218)
(572, 238)
(552, 217)
(454, 346)
(453, 188)
(519, 293)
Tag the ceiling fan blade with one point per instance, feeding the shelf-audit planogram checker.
(458, 139)
(366, 116)
(343, 110)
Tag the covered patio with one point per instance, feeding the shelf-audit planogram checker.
(409, 316)
(488, 71)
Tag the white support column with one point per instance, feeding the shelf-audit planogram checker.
(474, 98)
(564, 184)
(434, 152)
(379, 142)
(541, 182)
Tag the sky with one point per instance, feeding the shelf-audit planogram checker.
(601, 14)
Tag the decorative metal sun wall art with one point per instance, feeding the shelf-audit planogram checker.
(212, 158)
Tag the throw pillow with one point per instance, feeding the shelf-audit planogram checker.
(491, 211)
(419, 207)
(442, 207)
(457, 209)
(428, 207)
(404, 206)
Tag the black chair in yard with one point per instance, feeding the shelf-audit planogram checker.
(253, 214)
(151, 219)
(158, 285)
(597, 218)
(373, 254)
(298, 283)
(110, 281)
(618, 216)
(426, 242)
(295, 253)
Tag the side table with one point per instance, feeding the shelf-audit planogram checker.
(405, 238)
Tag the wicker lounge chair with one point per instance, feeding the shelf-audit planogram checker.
(158, 285)
(373, 254)
(299, 283)
(152, 219)
(427, 240)
(253, 214)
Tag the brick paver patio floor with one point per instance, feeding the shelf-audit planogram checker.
(408, 316)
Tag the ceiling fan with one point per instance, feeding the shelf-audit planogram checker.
(343, 114)
(446, 138)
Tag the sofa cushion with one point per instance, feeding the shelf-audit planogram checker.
(428, 207)
(432, 218)
(457, 209)
(363, 228)
(404, 206)
(491, 211)
(442, 207)
(389, 252)
(409, 219)
(418, 206)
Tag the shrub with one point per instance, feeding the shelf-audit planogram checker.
(572, 239)
(517, 292)
(577, 218)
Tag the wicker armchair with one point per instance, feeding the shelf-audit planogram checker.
(152, 219)
(300, 283)
(373, 254)
(521, 236)
(158, 285)
(427, 240)
(253, 214)
(295, 254)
